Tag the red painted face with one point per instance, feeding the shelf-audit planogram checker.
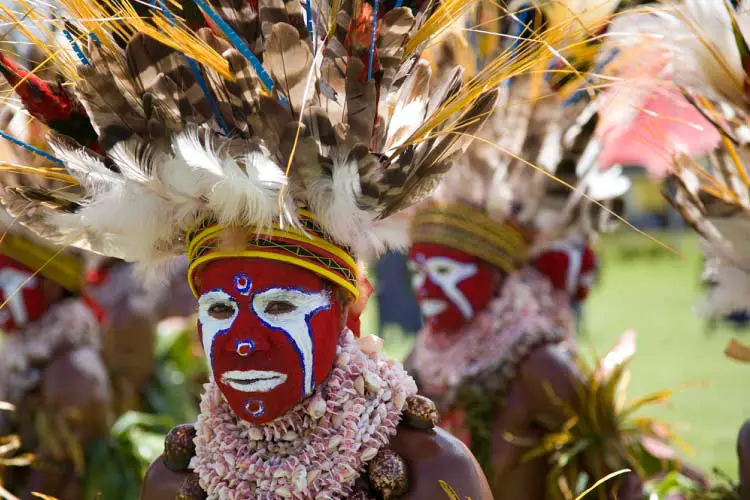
(451, 286)
(26, 301)
(571, 268)
(269, 331)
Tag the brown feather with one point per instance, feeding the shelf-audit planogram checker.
(289, 60)
(361, 104)
(115, 115)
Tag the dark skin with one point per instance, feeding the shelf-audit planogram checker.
(431, 455)
(75, 399)
(529, 412)
(71, 406)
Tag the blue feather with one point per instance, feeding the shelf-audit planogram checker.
(375, 6)
(579, 94)
(237, 42)
(29, 147)
(520, 21)
(81, 56)
(202, 84)
(308, 13)
(95, 39)
(196, 71)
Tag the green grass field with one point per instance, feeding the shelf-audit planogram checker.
(657, 296)
(655, 293)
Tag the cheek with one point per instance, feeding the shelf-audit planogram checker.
(478, 288)
(325, 328)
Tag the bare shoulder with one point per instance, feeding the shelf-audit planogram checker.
(549, 374)
(162, 483)
(550, 360)
(434, 455)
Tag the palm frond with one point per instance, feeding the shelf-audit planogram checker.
(602, 434)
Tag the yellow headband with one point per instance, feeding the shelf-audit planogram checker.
(63, 269)
(467, 229)
(308, 249)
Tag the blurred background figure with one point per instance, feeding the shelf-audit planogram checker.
(396, 303)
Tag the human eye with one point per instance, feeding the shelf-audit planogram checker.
(221, 310)
(443, 269)
(276, 307)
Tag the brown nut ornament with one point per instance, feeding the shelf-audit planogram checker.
(179, 447)
(388, 474)
(420, 412)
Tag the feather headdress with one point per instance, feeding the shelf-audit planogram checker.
(301, 123)
(708, 63)
(64, 266)
(533, 172)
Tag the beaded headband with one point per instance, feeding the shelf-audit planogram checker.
(467, 229)
(307, 247)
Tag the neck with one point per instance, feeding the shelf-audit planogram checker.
(526, 311)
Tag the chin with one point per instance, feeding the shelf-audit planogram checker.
(446, 326)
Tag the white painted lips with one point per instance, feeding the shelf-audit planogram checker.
(253, 380)
(432, 307)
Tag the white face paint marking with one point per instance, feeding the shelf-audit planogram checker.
(10, 282)
(210, 326)
(418, 274)
(295, 308)
(253, 380)
(432, 307)
(447, 273)
(575, 261)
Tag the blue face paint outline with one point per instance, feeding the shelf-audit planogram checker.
(258, 413)
(247, 287)
(210, 354)
(308, 317)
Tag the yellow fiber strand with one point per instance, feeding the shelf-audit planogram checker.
(602, 481)
(572, 188)
(55, 174)
(446, 13)
(732, 151)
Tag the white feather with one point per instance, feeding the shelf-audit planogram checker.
(408, 116)
(234, 194)
(334, 201)
(699, 35)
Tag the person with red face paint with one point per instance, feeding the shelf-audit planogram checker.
(495, 273)
(51, 368)
(78, 338)
(273, 195)
(570, 266)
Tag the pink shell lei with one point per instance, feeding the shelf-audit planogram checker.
(527, 305)
(318, 449)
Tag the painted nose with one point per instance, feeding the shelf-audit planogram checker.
(429, 289)
(249, 336)
(244, 346)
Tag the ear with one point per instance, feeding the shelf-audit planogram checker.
(355, 309)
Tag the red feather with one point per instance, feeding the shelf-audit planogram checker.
(51, 104)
